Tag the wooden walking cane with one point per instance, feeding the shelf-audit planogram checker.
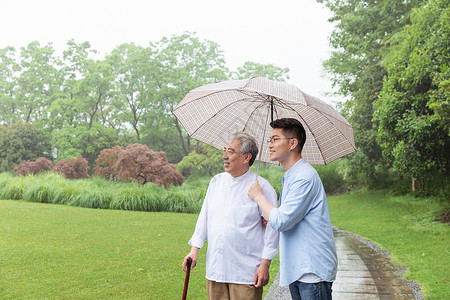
(186, 280)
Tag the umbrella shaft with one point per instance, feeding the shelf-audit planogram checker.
(262, 142)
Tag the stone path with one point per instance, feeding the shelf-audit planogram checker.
(364, 272)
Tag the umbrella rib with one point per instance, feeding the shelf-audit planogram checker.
(253, 112)
(204, 96)
(211, 117)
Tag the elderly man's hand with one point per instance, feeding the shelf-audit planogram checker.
(262, 274)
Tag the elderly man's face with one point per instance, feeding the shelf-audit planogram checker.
(234, 162)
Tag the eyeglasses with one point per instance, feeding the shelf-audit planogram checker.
(228, 151)
(275, 139)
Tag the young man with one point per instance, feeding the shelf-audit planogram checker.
(240, 247)
(308, 260)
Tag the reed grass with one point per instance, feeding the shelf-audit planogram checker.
(100, 193)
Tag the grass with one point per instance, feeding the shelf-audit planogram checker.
(99, 193)
(404, 227)
(62, 252)
(59, 251)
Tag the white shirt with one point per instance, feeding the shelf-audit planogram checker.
(231, 222)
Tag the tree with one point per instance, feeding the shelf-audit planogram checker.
(185, 62)
(204, 161)
(269, 71)
(134, 73)
(38, 82)
(22, 141)
(356, 66)
(412, 130)
(140, 163)
(8, 86)
(80, 117)
(164, 139)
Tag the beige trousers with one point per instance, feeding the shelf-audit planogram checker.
(232, 291)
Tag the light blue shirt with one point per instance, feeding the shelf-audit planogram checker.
(306, 240)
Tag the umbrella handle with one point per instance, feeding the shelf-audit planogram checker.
(186, 280)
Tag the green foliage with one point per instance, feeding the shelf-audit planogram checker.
(205, 161)
(38, 82)
(269, 71)
(143, 251)
(22, 141)
(332, 177)
(391, 59)
(135, 72)
(163, 139)
(414, 139)
(183, 62)
(8, 85)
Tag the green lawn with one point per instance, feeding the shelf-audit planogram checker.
(60, 252)
(404, 227)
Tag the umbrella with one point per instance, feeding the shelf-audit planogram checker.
(210, 113)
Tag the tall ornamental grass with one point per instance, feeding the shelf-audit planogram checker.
(100, 193)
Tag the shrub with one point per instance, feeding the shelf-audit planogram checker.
(106, 163)
(76, 168)
(140, 163)
(332, 178)
(33, 167)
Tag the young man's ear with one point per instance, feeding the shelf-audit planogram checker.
(294, 144)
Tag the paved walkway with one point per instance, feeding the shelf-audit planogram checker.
(364, 272)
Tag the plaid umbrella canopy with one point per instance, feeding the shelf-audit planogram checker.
(210, 113)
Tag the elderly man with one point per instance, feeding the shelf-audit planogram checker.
(240, 246)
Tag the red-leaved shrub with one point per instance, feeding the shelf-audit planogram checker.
(139, 162)
(106, 162)
(73, 168)
(33, 167)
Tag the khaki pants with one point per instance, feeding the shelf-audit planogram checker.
(232, 291)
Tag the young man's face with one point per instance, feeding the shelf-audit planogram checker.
(234, 162)
(279, 146)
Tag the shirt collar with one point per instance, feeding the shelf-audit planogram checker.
(239, 177)
(294, 168)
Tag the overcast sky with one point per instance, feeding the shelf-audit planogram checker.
(285, 33)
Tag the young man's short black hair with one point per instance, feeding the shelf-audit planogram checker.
(292, 128)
